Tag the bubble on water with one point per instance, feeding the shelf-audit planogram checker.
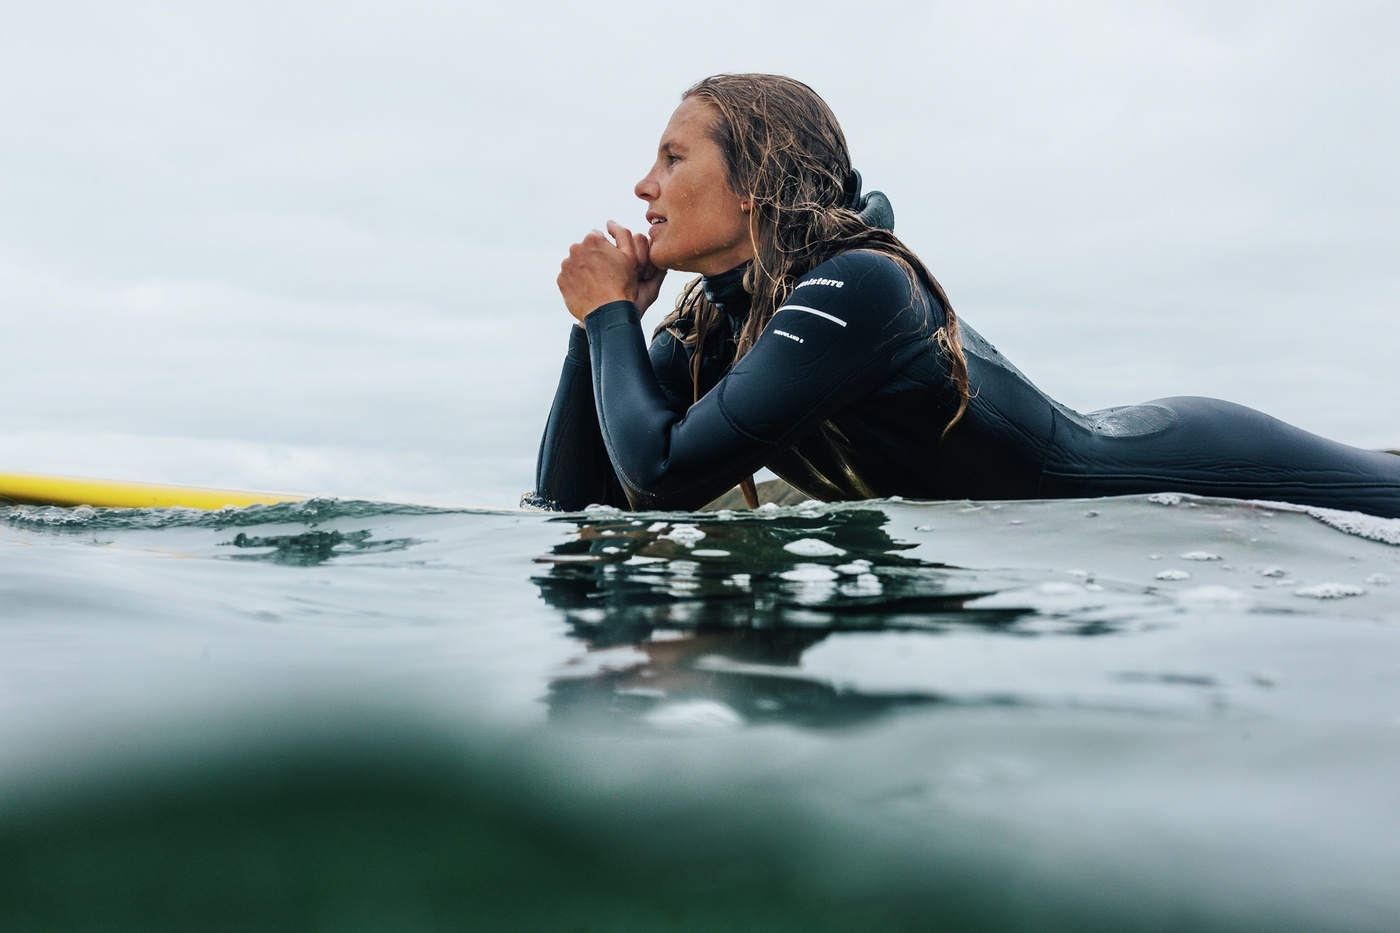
(923, 528)
(1330, 590)
(810, 584)
(738, 579)
(685, 535)
(767, 508)
(809, 573)
(1273, 572)
(1378, 579)
(709, 552)
(1164, 498)
(1200, 555)
(813, 547)
(855, 567)
(1173, 575)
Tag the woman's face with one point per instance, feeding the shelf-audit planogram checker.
(696, 220)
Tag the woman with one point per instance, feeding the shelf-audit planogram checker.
(816, 344)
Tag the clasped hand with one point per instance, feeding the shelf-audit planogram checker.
(598, 270)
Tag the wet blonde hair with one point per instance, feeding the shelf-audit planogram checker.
(785, 153)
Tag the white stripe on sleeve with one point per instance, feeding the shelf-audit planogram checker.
(829, 317)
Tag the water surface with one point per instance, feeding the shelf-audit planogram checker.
(1162, 712)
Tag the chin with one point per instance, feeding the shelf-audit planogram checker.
(660, 260)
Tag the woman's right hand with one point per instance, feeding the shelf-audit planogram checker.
(598, 271)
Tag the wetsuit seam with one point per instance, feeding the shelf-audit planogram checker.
(1015, 428)
(724, 413)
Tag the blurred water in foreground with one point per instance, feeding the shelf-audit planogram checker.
(1145, 713)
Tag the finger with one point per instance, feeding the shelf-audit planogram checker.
(641, 247)
(623, 236)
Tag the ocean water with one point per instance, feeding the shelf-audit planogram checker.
(1146, 713)
(278, 246)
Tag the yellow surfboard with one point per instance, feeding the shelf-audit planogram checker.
(42, 489)
(68, 491)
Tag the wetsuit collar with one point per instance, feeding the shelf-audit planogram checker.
(726, 291)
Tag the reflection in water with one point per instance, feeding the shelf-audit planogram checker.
(705, 622)
(311, 547)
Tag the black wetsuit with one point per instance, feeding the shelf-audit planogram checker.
(846, 395)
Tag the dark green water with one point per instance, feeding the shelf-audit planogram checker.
(337, 716)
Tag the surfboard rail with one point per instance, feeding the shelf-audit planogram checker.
(45, 489)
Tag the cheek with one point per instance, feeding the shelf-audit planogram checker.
(684, 196)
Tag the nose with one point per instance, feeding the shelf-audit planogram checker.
(647, 189)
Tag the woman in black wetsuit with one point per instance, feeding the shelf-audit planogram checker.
(816, 344)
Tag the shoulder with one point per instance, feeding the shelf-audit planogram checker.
(860, 276)
(863, 264)
(874, 286)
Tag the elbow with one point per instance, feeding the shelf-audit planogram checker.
(669, 490)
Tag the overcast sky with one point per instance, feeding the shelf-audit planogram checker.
(300, 242)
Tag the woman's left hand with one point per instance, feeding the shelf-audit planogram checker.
(598, 271)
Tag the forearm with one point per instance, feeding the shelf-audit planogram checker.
(848, 329)
(665, 458)
(573, 469)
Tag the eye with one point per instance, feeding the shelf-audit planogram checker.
(672, 158)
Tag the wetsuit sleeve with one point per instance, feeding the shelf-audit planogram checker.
(573, 469)
(833, 341)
